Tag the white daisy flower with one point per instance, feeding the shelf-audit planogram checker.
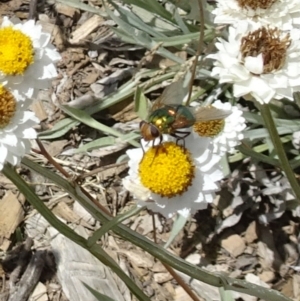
(261, 62)
(284, 14)
(170, 179)
(16, 127)
(226, 133)
(27, 57)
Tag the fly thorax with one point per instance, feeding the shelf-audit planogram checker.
(162, 123)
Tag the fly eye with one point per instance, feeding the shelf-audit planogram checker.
(154, 131)
(142, 123)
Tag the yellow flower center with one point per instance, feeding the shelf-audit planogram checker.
(167, 169)
(256, 4)
(209, 128)
(8, 107)
(16, 51)
(271, 43)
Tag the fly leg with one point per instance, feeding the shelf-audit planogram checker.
(180, 136)
(156, 148)
(153, 143)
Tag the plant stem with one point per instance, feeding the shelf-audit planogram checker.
(285, 165)
(199, 49)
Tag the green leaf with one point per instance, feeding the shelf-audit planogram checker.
(123, 35)
(176, 40)
(131, 136)
(253, 118)
(112, 223)
(248, 152)
(225, 166)
(158, 23)
(59, 129)
(141, 104)
(98, 143)
(128, 89)
(177, 227)
(293, 124)
(284, 125)
(296, 96)
(263, 133)
(295, 163)
(122, 93)
(85, 118)
(97, 295)
(226, 295)
(132, 19)
(151, 6)
(125, 91)
(142, 38)
(82, 6)
(181, 23)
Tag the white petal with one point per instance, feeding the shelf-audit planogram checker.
(14, 143)
(192, 199)
(284, 14)
(40, 73)
(247, 75)
(254, 64)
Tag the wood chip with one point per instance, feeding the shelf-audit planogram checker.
(251, 234)
(83, 213)
(139, 258)
(65, 212)
(296, 286)
(39, 293)
(267, 276)
(66, 10)
(181, 295)
(234, 245)
(170, 288)
(76, 266)
(162, 277)
(288, 288)
(38, 109)
(81, 33)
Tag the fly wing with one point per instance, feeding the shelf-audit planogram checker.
(182, 122)
(209, 113)
(173, 94)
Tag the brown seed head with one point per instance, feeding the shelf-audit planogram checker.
(270, 43)
(8, 107)
(255, 4)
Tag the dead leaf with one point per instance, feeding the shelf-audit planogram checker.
(55, 148)
(65, 212)
(11, 215)
(162, 277)
(139, 258)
